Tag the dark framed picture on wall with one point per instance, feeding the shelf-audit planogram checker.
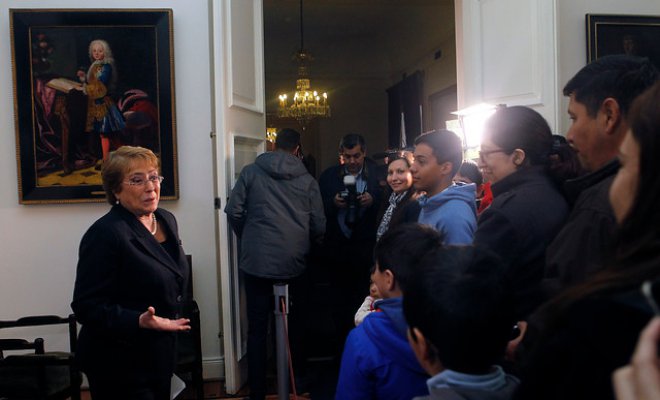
(86, 82)
(623, 34)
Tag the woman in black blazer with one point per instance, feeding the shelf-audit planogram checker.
(130, 282)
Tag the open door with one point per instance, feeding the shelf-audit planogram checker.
(239, 123)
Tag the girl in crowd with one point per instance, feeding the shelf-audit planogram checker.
(575, 342)
(470, 173)
(402, 206)
(103, 116)
(527, 209)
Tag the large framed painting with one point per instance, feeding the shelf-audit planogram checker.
(86, 82)
(623, 34)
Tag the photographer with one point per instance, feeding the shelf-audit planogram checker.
(351, 198)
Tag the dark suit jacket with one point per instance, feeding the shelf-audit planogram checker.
(364, 233)
(122, 270)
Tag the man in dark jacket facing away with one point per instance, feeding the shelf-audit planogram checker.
(276, 210)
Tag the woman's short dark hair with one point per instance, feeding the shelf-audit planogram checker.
(119, 163)
(520, 127)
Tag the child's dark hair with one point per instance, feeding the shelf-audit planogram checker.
(459, 300)
(446, 147)
(400, 249)
(470, 170)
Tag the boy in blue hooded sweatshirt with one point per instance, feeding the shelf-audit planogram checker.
(448, 207)
(378, 362)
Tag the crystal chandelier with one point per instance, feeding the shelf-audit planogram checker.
(307, 103)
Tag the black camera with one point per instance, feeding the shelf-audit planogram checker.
(350, 196)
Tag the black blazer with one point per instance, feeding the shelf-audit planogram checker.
(122, 270)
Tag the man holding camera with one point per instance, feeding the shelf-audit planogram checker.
(351, 198)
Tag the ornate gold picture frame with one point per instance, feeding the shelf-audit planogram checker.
(86, 82)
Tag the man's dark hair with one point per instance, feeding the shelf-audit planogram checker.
(446, 146)
(618, 76)
(459, 300)
(287, 139)
(400, 249)
(351, 140)
(470, 170)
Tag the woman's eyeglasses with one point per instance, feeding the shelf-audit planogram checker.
(142, 180)
(484, 154)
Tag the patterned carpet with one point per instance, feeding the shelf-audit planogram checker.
(85, 176)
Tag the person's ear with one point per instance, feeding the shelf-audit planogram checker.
(518, 157)
(389, 279)
(610, 113)
(423, 351)
(446, 168)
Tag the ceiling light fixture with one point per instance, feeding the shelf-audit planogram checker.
(307, 103)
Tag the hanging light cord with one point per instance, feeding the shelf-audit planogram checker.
(302, 41)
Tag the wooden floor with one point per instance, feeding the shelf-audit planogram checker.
(215, 390)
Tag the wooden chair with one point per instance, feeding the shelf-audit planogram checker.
(39, 374)
(189, 345)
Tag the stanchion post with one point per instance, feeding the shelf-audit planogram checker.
(281, 292)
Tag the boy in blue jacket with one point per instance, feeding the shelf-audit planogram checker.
(378, 362)
(448, 207)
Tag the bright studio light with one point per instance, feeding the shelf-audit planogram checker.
(472, 120)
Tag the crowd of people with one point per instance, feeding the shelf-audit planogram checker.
(532, 290)
(519, 276)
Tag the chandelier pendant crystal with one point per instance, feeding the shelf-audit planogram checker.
(307, 103)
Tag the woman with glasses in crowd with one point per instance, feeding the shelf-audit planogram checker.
(131, 278)
(528, 208)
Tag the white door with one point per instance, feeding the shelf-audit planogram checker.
(239, 123)
(497, 64)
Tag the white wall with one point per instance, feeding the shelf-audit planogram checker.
(439, 74)
(572, 37)
(39, 243)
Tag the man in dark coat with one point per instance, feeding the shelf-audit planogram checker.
(600, 96)
(276, 210)
(351, 233)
